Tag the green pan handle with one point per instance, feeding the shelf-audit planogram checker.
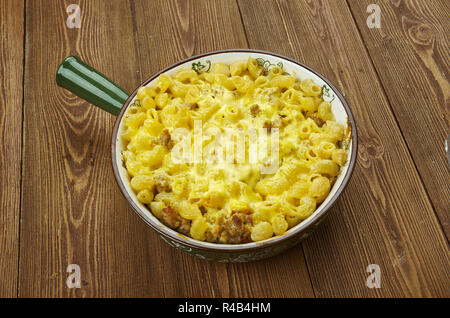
(89, 84)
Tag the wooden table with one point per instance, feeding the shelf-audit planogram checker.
(59, 201)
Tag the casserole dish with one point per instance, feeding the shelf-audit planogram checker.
(84, 81)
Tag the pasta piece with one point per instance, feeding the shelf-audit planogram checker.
(253, 68)
(187, 210)
(320, 187)
(221, 68)
(152, 158)
(326, 167)
(238, 67)
(325, 149)
(242, 85)
(145, 196)
(142, 182)
(262, 81)
(145, 91)
(178, 89)
(339, 156)
(186, 76)
(306, 208)
(153, 127)
(161, 100)
(274, 71)
(324, 111)
(163, 83)
(282, 81)
(262, 231)
(198, 229)
(279, 224)
(156, 208)
(240, 206)
(310, 88)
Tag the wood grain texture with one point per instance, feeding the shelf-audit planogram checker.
(186, 28)
(73, 212)
(384, 216)
(11, 91)
(415, 32)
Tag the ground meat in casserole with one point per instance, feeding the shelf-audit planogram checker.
(268, 125)
(212, 234)
(185, 226)
(162, 183)
(318, 120)
(235, 229)
(172, 219)
(193, 106)
(203, 210)
(276, 123)
(254, 110)
(231, 230)
(166, 139)
(236, 93)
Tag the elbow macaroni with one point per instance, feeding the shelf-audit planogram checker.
(232, 202)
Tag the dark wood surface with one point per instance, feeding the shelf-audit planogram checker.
(11, 109)
(60, 203)
(417, 89)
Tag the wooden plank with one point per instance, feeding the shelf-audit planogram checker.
(186, 28)
(384, 217)
(410, 55)
(73, 212)
(11, 78)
